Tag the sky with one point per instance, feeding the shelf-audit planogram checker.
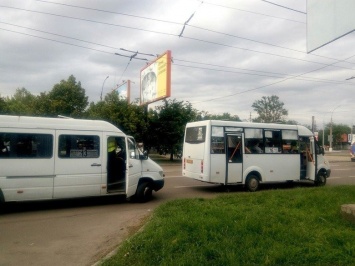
(226, 54)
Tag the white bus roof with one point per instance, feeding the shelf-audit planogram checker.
(302, 130)
(55, 123)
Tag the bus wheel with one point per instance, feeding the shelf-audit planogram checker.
(144, 192)
(321, 180)
(252, 183)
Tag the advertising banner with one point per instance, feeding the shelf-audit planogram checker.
(155, 80)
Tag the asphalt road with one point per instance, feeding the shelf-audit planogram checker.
(82, 231)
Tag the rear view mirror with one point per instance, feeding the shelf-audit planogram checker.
(322, 150)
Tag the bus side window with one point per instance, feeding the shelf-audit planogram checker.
(26, 145)
(79, 146)
(254, 140)
(272, 141)
(217, 140)
(290, 141)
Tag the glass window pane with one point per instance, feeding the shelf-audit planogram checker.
(255, 133)
(289, 134)
(195, 134)
(79, 146)
(273, 141)
(26, 145)
(217, 131)
(290, 142)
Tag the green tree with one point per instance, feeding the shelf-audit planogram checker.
(270, 110)
(21, 103)
(167, 124)
(66, 98)
(3, 106)
(224, 116)
(337, 131)
(130, 118)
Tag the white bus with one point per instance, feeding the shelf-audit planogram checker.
(228, 153)
(56, 158)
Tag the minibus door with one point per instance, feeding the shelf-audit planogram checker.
(134, 167)
(116, 164)
(311, 160)
(77, 164)
(234, 158)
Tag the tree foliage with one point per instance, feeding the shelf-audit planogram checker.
(337, 131)
(168, 123)
(224, 116)
(3, 106)
(128, 117)
(21, 103)
(67, 98)
(270, 110)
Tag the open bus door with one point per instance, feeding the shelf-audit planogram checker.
(234, 158)
(311, 160)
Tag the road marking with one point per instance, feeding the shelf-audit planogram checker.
(334, 177)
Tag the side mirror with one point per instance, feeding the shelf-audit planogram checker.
(144, 156)
(322, 150)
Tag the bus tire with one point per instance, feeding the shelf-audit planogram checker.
(252, 183)
(144, 192)
(321, 180)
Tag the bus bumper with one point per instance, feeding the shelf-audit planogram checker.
(158, 184)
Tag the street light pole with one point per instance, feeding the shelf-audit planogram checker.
(102, 89)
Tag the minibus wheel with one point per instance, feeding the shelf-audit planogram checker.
(321, 180)
(144, 192)
(252, 183)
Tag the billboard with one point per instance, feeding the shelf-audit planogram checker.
(124, 90)
(155, 80)
(328, 20)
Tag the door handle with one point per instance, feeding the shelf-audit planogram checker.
(131, 165)
(96, 164)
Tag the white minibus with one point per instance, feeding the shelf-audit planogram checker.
(228, 153)
(57, 158)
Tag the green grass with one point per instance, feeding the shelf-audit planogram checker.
(301, 226)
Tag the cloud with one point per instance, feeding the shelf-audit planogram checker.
(228, 56)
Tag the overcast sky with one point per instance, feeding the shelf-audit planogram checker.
(230, 53)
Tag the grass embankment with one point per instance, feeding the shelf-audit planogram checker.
(302, 226)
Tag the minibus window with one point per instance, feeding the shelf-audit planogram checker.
(290, 141)
(132, 148)
(79, 146)
(254, 140)
(26, 145)
(195, 134)
(217, 140)
(272, 141)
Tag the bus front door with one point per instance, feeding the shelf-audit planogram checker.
(234, 158)
(311, 160)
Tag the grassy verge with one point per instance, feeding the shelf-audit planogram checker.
(301, 226)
